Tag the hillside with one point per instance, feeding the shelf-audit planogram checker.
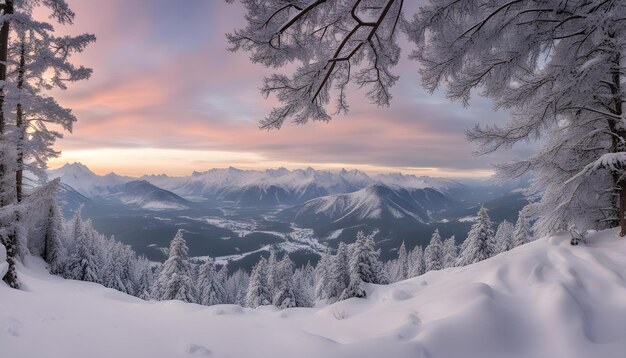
(376, 205)
(543, 299)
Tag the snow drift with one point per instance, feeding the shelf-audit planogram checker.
(543, 299)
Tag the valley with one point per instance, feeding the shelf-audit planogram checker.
(236, 216)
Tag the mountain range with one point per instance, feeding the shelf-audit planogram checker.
(248, 188)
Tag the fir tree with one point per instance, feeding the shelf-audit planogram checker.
(521, 233)
(174, 282)
(323, 277)
(271, 272)
(82, 261)
(480, 242)
(504, 237)
(416, 262)
(364, 261)
(340, 271)
(285, 295)
(258, 293)
(354, 288)
(450, 253)
(403, 264)
(433, 254)
(210, 285)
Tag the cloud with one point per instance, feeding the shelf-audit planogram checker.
(163, 79)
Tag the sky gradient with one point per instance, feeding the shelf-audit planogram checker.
(167, 97)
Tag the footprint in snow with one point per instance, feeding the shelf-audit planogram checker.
(197, 350)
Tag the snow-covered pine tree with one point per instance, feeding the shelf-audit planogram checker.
(354, 289)
(323, 277)
(339, 271)
(450, 253)
(258, 294)
(565, 81)
(112, 275)
(174, 282)
(272, 263)
(364, 261)
(8, 159)
(416, 262)
(45, 221)
(403, 263)
(391, 269)
(236, 287)
(144, 279)
(521, 233)
(433, 254)
(302, 287)
(504, 237)
(33, 61)
(285, 295)
(480, 242)
(210, 286)
(82, 262)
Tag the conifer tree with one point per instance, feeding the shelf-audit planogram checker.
(174, 282)
(82, 262)
(340, 271)
(521, 233)
(504, 237)
(416, 262)
(285, 295)
(433, 254)
(236, 287)
(480, 242)
(258, 293)
(403, 264)
(210, 285)
(272, 263)
(323, 277)
(364, 261)
(450, 253)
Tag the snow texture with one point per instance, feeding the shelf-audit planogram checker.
(543, 299)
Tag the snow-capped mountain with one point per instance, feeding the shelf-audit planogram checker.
(375, 205)
(251, 188)
(144, 195)
(287, 187)
(86, 182)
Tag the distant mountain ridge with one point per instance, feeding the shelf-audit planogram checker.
(254, 188)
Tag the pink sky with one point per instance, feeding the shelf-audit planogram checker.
(167, 97)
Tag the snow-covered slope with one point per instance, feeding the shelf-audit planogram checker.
(142, 194)
(545, 299)
(376, 202)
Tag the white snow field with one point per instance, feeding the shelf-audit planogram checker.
(546, 299)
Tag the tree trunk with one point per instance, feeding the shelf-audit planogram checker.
(10, 242)
(622, 208)
(21, 127)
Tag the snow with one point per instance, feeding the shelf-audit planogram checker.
(468, 219)
(4, 265)
(543, 299)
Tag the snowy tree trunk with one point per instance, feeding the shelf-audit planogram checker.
(619, 136)
(11, 241)
(21, 128)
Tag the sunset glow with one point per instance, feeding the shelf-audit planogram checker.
(156, 94)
